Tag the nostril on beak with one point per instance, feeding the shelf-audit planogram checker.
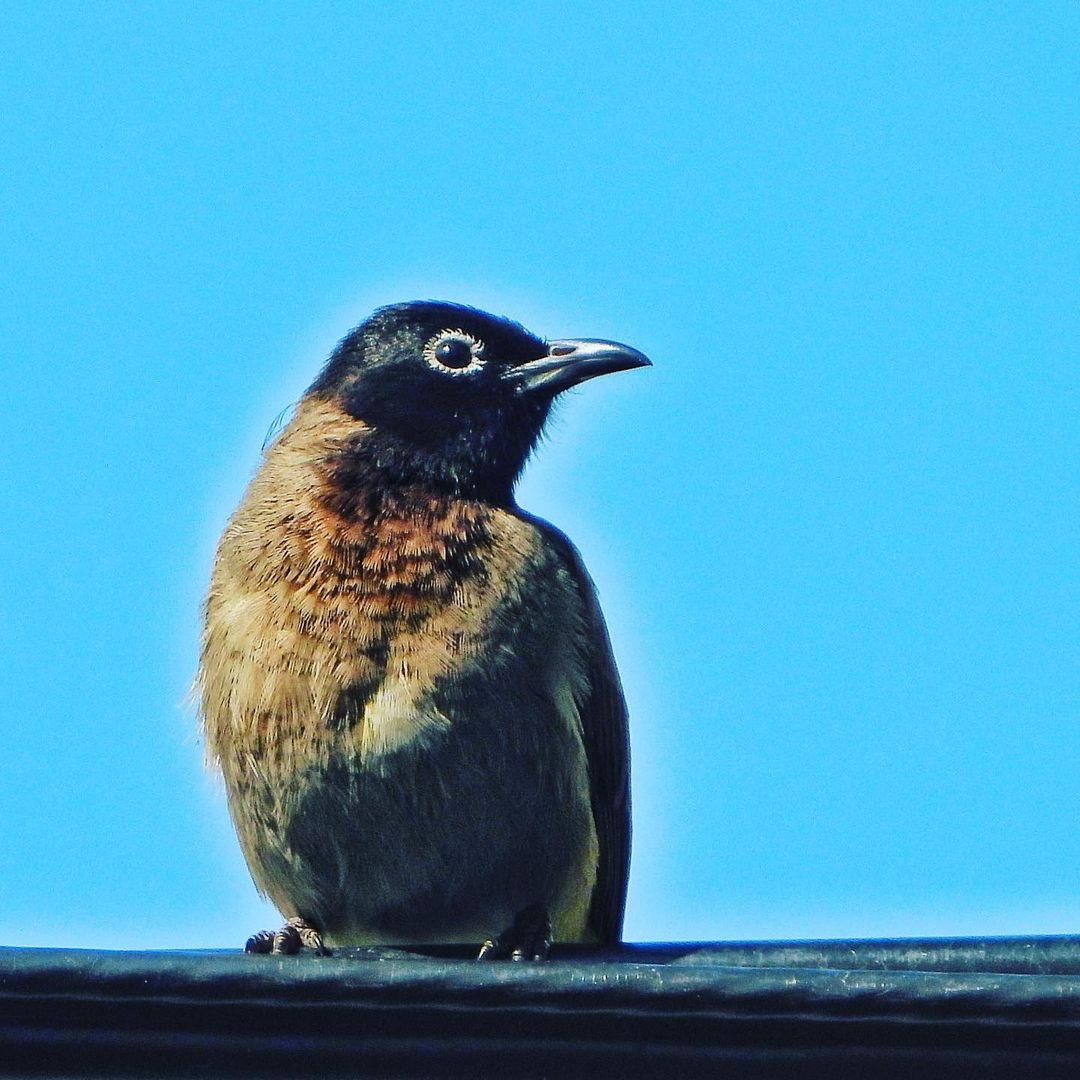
(562, 350)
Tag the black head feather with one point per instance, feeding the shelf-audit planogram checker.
(428, 380)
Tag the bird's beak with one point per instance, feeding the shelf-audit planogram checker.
(571, 361)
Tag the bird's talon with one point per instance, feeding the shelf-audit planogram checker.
(261, 942)
(529, 938)
(310, 937)
(286, 942)
(295, 935)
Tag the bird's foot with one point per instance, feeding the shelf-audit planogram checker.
(529, 938)
(295, 935)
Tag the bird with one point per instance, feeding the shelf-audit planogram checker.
(405, 680)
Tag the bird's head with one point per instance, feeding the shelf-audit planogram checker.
(453, 398)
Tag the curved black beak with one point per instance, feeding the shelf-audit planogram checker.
(570, 361)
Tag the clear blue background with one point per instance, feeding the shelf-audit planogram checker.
(834, 529)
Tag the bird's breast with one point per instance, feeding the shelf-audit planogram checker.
(337, 619)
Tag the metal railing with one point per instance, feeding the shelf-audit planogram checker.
(988, 1008)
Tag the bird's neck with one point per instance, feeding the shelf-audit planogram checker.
(374, 473)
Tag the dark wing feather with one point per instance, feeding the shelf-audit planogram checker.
(607, 747)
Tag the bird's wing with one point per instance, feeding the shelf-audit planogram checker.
(607, 748)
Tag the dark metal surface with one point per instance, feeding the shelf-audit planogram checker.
(998, 1007)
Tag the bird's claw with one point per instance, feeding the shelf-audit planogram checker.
(529, 938)
(295, 935)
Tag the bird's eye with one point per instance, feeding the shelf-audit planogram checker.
(454, 352)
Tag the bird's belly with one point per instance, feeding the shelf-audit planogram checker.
(440, 843)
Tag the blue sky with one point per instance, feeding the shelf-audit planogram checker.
(834, 528)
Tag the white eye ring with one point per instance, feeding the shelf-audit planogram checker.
(445, 351)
